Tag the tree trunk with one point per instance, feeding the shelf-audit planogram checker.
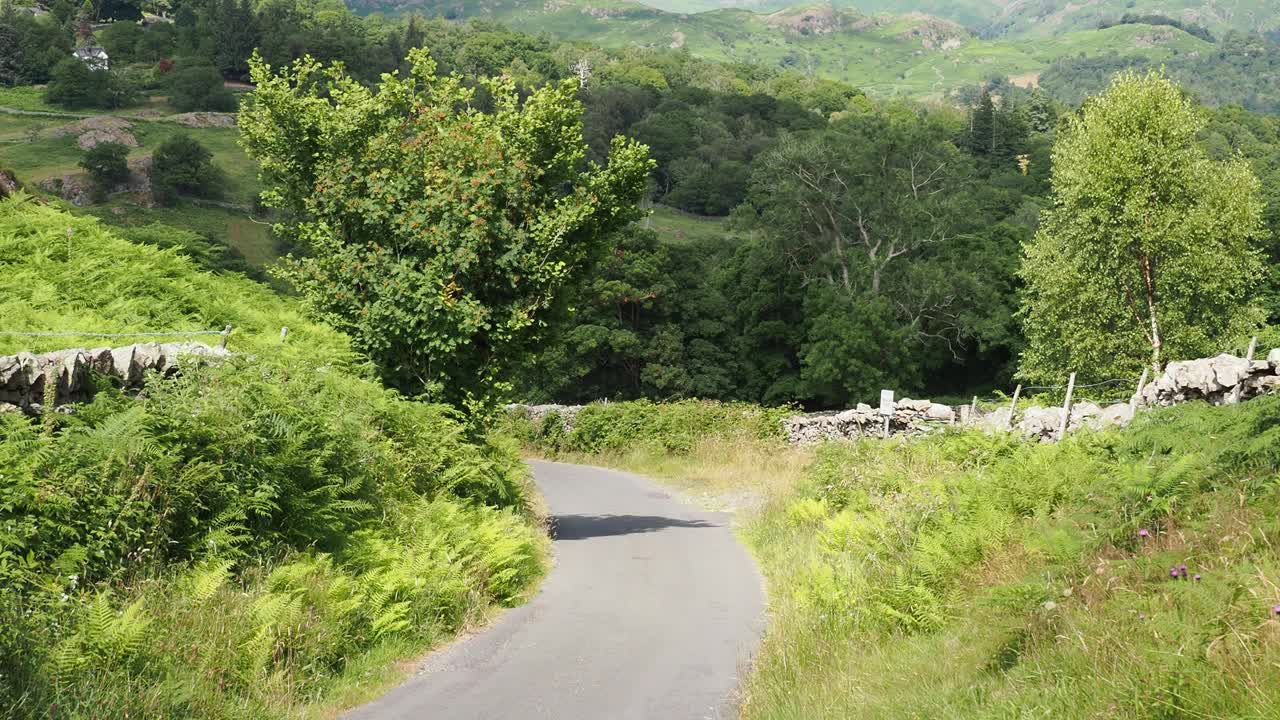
(1156, 343)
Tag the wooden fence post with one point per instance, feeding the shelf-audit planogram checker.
(1066, 407)
(1253, 347)
(973, 410)
(1013, 406)
(226, 332)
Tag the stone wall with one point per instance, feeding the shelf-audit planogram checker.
(23, 377)
(1220, 380)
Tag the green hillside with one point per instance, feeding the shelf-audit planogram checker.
(915, 55)
(1038, 19)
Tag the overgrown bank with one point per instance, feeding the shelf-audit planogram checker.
(1121, 574)
(258, 538)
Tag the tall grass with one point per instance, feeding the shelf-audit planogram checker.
(727, 455)
(260, 538)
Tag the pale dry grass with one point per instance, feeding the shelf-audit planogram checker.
(721, 472)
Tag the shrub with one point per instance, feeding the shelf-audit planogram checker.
(182, 166)
(107, 163)
(73, 85)
(664, 427)
(199, 87)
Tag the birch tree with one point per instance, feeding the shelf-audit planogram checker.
(1149, 250)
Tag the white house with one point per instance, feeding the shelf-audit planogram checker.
(95, 57)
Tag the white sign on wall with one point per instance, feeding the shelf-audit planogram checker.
(886, 402)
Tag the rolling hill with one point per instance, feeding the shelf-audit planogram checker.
(916, 54)
(1037, 18)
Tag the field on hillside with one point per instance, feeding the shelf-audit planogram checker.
(1124, 574)
(28, 146)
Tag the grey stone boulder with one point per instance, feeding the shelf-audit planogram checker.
(1198, 376)
(997, 420)
(1084, 415)
(940, 413)
(1230, 371)
(1038, 422)
(1117, 415)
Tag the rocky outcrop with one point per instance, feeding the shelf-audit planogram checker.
(24, 377)
(94, 131)
(77, 188)
(9, 184)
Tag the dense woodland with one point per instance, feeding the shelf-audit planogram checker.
(865, 243)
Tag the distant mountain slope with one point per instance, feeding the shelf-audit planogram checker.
(915, 54)
(1038, 18)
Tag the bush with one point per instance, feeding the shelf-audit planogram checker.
(643, 425)
(107, 163)
(120, 40)
(74, 86)
(182, 166)
(199, 87)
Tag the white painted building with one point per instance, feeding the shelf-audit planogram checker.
(95, 57)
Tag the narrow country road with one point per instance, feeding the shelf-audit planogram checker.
(652, 611)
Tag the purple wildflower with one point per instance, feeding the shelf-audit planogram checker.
(1142, 616)
(1144, 533)
(1182, 570)
(1276, 609)
(1197, 577)
(1173, 573)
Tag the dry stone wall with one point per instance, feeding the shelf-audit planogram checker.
(1220, 380)
(24, 377)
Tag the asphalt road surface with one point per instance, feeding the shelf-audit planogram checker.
(652, 611)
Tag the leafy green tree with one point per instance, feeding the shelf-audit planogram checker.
(119, 10)
(1149, 251)
(12, 54)
(646, 324)
(107, 163)
(73, 85)
(443, 238)
(120, 40)
(230, 28)
(182, 166)
(199, 87)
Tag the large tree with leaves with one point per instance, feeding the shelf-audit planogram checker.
(1149, 251)
(441, 237)
(865, 213)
